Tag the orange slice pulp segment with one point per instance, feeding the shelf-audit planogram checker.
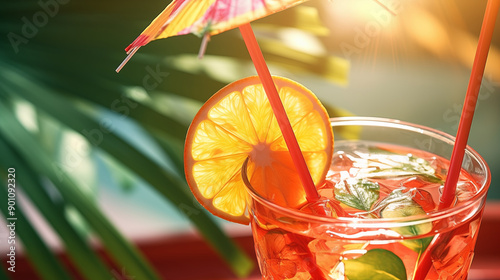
(238, 123)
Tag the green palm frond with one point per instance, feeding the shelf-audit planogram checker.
(64, 112)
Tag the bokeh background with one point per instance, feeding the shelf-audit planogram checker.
(105, 149)
(414, 64)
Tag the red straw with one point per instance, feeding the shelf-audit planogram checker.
(279, 111)
(468, 109)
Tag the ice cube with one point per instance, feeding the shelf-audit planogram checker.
(279, 258)
(286, 255)
(413, 182)
(465, 190)
(324, 207)
(424, 199)
(342, 161)
(328, 255)
(282, 269)
(456, 251)
(327, 188)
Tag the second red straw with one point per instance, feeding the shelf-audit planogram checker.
(469, 106)
(468, 109)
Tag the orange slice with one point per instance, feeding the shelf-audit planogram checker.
(238, 123)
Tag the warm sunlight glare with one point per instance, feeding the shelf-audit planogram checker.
(466, 50)
(427, 31)
(301, 41)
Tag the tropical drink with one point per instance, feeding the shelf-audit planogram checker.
(377, 215)
(382, 191)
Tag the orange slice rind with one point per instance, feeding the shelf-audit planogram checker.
(238, 123)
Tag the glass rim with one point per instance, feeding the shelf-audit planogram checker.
(383, 222)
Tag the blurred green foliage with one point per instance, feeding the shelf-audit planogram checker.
(60, 98)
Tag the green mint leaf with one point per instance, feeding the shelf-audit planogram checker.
(376, 264)
(357, 193)
(417, 245)
(382, 163)
(396, 197)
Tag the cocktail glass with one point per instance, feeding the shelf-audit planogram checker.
(387, 239)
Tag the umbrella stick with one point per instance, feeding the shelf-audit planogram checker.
(129, 56)
(464, 126)
(279, 111)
